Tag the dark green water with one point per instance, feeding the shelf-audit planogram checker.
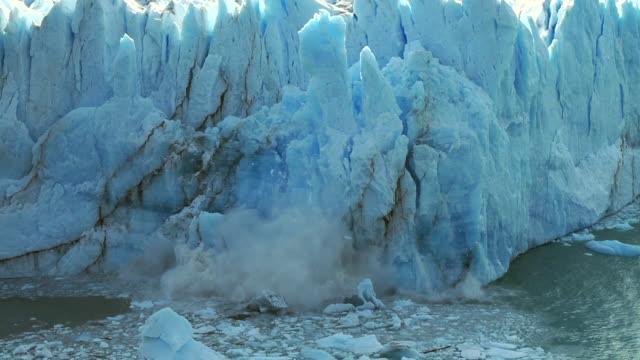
(590, 303)
(20, 314)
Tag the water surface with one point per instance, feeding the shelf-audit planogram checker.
(591, 302)
(20, 314)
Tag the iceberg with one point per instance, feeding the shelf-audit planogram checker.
(613, 247)
(315, 354)
(367, 295)
(365, 345)
(432, 141)
(168, 336)
(622, 227)
(268, 302)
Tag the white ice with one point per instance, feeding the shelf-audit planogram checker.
(360, 346)
(169, 336)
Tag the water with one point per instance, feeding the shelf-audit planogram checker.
(590, 303)
(20, 314)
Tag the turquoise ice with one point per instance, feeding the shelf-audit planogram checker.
(436, 139)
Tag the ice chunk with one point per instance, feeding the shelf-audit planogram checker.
(315, 354)
(23, 349)
(622, 227)
(207, 313)
(471, 354)
(582, 236)
(396, 322)
(169, 327)
(145, 304)
(401, 305)
(238, 352)
(268, 301)
(206, 329)
(399, 349)
(350, 320)
(367, 295)
(505, 354)
(501, 345)
(372, 325)
(338, 308)
(360, 346)
(613, 247)
(230, 330)
(168, 336)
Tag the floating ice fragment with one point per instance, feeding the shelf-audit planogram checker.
(23, 349)
(168, 336)
(368, 295)
(613, 247)
(338, 308)
(513, 338)
(142, 304)
(207, 314)
(43, 352)
(505, 354)
(238, 352)
(502, 345)
(268, 301)
(401, 305)
(360, 346)
(84, 337)
(582, 236)
(471, 354)
(396, 322)
(168, 327)
(372, 325)
(230, 330)
(421, 316)
(397, 350)
(367, 313)
(315, 354)
(622, 227)
(207, 329)
(351, 320)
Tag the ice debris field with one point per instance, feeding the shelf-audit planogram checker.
(209, 329)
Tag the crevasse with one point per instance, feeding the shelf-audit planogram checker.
(440, 138)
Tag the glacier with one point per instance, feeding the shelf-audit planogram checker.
(422, 142)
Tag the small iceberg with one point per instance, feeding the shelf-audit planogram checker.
(269, 302)
(365, 345)
(367, 295)
(613, 247)
(168, 336)
(622, 227)
(398, 350)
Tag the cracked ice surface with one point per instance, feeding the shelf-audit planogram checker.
(436, 139)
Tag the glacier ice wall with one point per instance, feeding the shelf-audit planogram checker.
(442, 138)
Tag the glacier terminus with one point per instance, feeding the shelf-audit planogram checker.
(422, 143)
